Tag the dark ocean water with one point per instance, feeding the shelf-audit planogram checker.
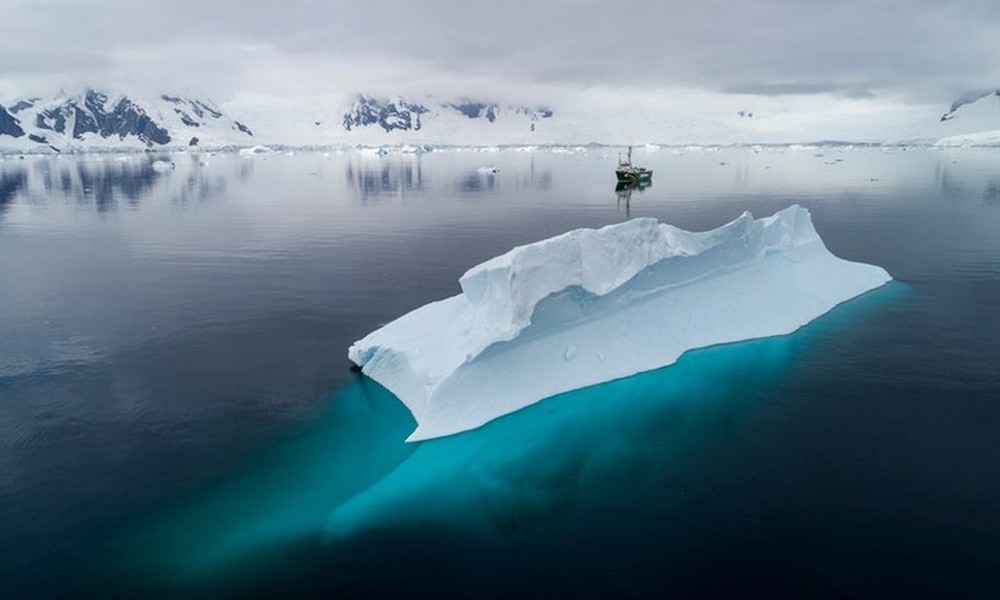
(178, 419)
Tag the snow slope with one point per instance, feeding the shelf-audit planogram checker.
(972, 121)
(594, 305)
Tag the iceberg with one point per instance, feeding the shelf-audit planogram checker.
(593, 305)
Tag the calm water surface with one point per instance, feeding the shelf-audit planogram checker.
(177, 416)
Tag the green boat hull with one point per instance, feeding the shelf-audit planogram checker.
(633, 176)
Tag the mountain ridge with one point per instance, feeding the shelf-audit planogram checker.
(102, 119)
(403, 114)
(94, 118)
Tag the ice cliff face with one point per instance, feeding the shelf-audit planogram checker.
(595, 305)
(94, 118)
(401, 114)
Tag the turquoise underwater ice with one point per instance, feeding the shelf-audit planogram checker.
(545, 471)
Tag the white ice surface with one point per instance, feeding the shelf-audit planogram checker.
(594, 305)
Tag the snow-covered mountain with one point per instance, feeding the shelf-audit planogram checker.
(96, 119)
(973, 119)
(388, 114)
(466, 121)
(365, 119)
(407, 115)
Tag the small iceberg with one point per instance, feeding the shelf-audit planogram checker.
(593, 305)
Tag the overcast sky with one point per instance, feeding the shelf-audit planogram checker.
(856, 50)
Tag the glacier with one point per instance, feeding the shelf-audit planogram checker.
(593, 305)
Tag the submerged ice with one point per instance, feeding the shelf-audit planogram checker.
(592, 305)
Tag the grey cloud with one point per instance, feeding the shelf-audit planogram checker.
(848, 90)
(856, 48)
(48, 61)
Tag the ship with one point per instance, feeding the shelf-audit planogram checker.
(629, 173)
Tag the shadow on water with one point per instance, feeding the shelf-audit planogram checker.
(348, 507)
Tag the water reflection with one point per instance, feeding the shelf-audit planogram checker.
(378, 178)
(624, 191)
(483, 179)
(960, 176)
(536, 178)
(991, 195)
(375, 179)
(12, 181)
(107, 183)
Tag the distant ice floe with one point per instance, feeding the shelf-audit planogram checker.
(970, 140)
(256, 150)
(590, 306)
(388, 150)
(981, 139)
